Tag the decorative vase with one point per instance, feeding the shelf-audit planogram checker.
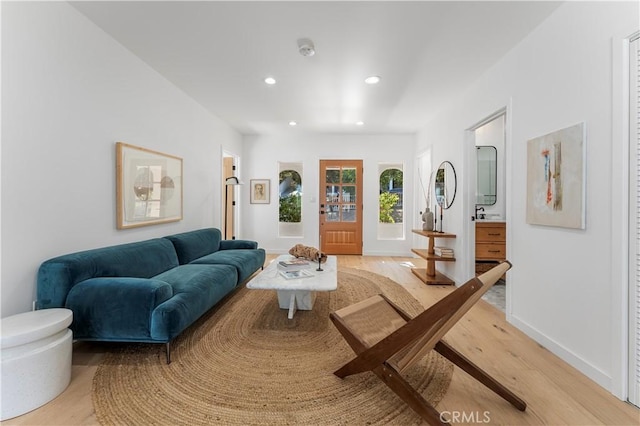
(427, 218)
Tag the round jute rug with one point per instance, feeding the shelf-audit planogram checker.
(246, 363)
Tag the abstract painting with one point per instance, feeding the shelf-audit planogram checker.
(556, 178)
(148, 187)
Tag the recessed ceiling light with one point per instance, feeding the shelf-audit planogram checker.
(293, 123)
(270, 80)
(359, 123)
(374, 79)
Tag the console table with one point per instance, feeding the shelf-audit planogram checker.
(430, 275)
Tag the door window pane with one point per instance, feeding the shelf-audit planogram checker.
(348, 212)
(333, 175)
(332, 194)
(333, 213)
(348, 175)
(348, 194)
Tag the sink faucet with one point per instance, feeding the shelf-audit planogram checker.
(479, 209)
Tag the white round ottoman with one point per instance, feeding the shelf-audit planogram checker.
(35, 353)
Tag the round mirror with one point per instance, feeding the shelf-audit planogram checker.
(445, 185)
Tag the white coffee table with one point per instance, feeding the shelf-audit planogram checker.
(297, 293)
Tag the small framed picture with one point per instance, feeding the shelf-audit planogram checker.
(260, 190)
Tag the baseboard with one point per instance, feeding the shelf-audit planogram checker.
(388, 253)
(368, 253)
(592, 372)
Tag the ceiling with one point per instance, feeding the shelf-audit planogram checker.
(426, 52)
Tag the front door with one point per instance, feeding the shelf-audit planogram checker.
(341, 206)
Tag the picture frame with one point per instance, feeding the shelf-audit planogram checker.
(148, 187)
(260, 191)
(556, 178)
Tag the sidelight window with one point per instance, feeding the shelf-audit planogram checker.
(390, 201)
(290, 196)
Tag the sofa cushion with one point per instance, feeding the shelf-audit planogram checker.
(196, 288)
(142, 259)
(115, 308)
(195, 244)
(238, 244)
(246, 261)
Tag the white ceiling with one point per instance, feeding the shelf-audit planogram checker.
(219, 53)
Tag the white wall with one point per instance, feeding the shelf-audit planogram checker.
(261, 157)
(69, 92)
(560, 291)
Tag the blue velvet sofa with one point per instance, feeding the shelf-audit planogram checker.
(147, 291)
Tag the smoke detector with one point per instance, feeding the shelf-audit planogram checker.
(305, 47)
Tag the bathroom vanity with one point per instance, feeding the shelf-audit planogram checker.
(491, 244)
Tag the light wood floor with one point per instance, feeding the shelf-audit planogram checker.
(556, 393)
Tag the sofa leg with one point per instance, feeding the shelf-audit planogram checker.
(168, 350)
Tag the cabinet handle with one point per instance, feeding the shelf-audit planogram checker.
(494, 251)
(493, 235)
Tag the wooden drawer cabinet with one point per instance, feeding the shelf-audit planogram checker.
(491, 251)
(491, 241)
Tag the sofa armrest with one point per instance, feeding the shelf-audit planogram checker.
(115, 308)
(238, 244)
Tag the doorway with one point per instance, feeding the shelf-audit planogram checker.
(340, 219)
(487, 231)
(229, 170)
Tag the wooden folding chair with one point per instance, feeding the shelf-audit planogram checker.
(387, 340)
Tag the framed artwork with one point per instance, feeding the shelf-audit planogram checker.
(556, 178)
(148, 187)
(260, 190)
